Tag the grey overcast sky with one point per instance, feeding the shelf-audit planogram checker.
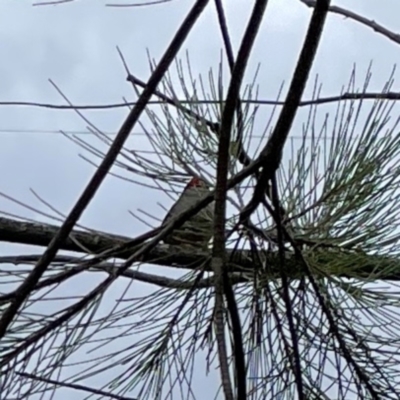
(74, 45)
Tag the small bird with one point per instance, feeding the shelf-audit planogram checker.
(198, 230)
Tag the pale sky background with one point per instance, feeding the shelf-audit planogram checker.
(74, 45)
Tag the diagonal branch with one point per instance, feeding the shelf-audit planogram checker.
(271, 154)
(51, 251)
(176, 103)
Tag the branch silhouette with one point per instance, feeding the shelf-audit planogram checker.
(39, 234)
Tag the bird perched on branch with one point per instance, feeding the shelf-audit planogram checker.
(198, 230)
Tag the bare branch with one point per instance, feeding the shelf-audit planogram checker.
(219, 250)
(395, 37)
(38, 234)
(272, 153)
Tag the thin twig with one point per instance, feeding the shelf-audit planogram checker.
(109, 267)
(74, 386)
(362, 20)
(259, 102)
(295, 355)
